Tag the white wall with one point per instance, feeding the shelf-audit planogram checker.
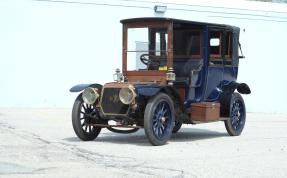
(47, 47)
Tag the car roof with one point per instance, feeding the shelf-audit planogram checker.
(210, 25)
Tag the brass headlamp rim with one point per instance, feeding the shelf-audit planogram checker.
(133, 93)
(95, 90)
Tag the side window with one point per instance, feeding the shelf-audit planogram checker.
(215, 44)
(187, 43)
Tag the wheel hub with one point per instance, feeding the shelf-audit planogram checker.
(163, 119)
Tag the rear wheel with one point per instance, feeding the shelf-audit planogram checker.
(81, 117)
(177, 126)
(159, 119)
(237, 115)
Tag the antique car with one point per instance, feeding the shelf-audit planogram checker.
(174, 72)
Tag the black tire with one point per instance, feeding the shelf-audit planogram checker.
(159, 119)
(177, 126)
(79, 120)
(237, 115)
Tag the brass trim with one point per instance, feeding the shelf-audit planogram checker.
(95, 90)
(115, 85)
(134, 95)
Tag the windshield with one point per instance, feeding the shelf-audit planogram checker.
(147, 49)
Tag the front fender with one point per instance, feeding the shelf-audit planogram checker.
(150, 91)
(80, 87)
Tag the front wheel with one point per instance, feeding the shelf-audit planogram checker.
(237, 115)
(159, 119)
(81, 120)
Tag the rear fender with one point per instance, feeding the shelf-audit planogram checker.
(225, 97)
(243, 88)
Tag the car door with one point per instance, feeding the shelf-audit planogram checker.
(215, 67)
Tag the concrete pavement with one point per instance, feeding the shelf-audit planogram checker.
(42, 143)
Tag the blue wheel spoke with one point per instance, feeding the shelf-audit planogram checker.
(162, 108)
(161, 130)
(155, 126)
(158, 108)
(164, 124)
(232, 121)
(154, 129)
(158, 132)
(154, 121)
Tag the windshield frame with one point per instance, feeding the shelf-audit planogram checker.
(148, 24)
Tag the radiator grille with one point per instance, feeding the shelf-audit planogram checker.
(111, 103)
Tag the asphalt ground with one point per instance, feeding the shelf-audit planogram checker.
(42, 143)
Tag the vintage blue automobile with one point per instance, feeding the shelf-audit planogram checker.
(174, 72)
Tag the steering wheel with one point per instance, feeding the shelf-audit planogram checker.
(145, 59)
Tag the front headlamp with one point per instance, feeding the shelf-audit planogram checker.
(127, 95)
(90, 95)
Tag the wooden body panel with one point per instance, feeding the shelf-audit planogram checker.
(155, 79)
(181, 92)
(146, 76)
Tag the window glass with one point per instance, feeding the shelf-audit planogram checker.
(186, 43)
(214, 43)
(137, 35)
(137, 45)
